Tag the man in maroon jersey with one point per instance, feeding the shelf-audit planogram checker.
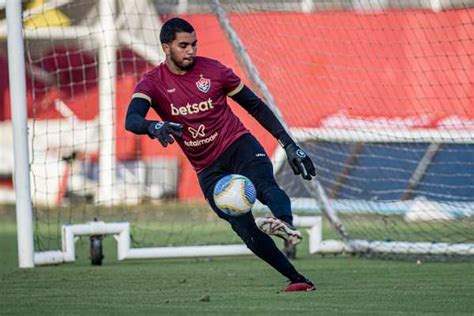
(189, 93)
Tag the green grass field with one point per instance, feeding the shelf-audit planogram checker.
(235, 286)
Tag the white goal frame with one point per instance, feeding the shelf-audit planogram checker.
(16, 63)
(121, 233)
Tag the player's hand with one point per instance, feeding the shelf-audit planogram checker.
(299, 161)
(163, 131)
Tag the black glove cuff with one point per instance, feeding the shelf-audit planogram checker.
(285, 140)
(147, 124)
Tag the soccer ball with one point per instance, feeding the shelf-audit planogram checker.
(234, 194)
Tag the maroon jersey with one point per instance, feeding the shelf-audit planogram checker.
(198, 100)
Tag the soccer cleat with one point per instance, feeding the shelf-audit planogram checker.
(277, 227)
(305, 286)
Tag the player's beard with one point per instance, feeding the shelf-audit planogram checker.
(185, 64)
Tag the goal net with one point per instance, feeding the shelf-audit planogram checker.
(380, 94)
(83, 59)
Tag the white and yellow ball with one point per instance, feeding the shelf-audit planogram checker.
(234, 194)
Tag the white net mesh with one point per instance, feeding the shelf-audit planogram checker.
(380, 93)
(83, 61)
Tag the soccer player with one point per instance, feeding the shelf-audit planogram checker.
(189, 93)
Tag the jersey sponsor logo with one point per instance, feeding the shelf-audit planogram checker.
(171, 90)
(203, 84)
(260, 155)
(197, 132)
(192, 108)
(200, 142)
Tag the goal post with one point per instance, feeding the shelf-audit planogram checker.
(24, 215)
(107, 65)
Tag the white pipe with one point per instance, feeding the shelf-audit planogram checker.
(182, 7)
(63, 33)
(306, 221)
(307, 6)
(413, 247)
(436, 5)
(315, 234)
(49, 257)
(68, 244)
(123, 244)
(333, 246)
(107, 79)
(93, 228)
(180, 252)
(278, 159)
(122, 235)
(461, 135)
(16, 64)
(97, 228)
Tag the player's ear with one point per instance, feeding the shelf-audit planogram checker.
(166, 48)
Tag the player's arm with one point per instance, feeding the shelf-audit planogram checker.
(135, 121)
(298, 159)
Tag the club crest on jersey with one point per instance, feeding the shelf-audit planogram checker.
(203, 84)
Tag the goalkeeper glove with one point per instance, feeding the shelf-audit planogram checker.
(163, 131)
(298, 159)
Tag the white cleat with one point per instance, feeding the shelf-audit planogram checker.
(277, 227)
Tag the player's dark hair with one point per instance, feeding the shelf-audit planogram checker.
(173, 26)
